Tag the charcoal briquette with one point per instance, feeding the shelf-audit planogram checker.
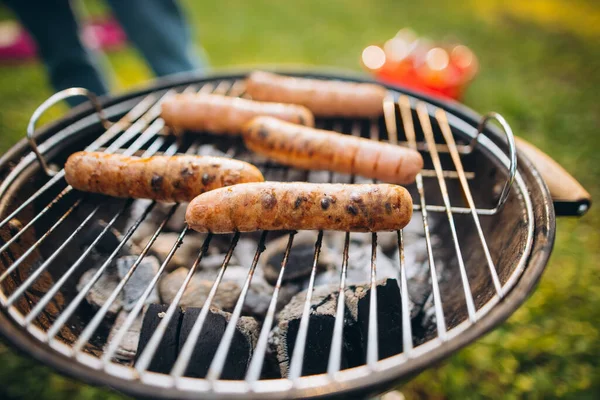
(240, 351)
(166, 352)
(389, 316)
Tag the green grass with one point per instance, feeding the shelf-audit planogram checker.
(540, 68)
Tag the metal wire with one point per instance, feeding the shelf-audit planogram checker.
(256, 364)
(409, 131)
(428, 132)
(449, 138)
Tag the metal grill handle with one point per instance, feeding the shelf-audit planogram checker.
(52, 100)
(512, 151)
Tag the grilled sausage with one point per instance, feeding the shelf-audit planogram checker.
(163, 178)
(298, 205)
(324, 98)
(310, 148)
(223, 114)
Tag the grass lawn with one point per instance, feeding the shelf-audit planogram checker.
(540, 68)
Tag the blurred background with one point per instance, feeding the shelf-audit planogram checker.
(539, 66)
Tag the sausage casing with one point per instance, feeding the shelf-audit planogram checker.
(298, 205)
(325, 98)
(170, 179)
(224, 114)
(317, 149)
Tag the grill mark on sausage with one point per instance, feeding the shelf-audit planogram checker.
(351, 209)
(208, 178)
(156, 182)
(388, 207)
(269, 201)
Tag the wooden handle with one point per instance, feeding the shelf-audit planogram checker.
(570, 198)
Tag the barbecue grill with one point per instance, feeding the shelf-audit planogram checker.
(483, 211)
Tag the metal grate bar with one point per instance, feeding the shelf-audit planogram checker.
(372, 337)
(335, 353)
(56, 287)
(295, 370)
(445, 127)
(407, 341)
(35, 274)
(409, 131)
(110, 133)
(407, 344)
(35, 219)
(218, 362)
(34, 247)
(255, 368)
(428, 132)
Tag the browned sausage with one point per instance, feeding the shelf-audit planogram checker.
(223, 114)
(325, 98)
(317, 149)
(298, 205)
(163, 178)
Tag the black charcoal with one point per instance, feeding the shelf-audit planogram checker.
(300, 259)
(139, 280)
(167, 350)
(320, 333)
(240, 351)
(389, 315)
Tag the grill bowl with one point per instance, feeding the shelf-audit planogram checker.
(520, 237)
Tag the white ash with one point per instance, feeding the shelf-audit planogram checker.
(139, 280)
(319, 176)
(110, 278)
(210, 150)
(186, 253)
(197, 290)
(102, 289)
(127, 348)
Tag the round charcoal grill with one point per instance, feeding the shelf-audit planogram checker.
(486, 227)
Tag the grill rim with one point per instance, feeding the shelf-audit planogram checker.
(543, 240)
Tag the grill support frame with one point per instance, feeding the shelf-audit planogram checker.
(541, 246)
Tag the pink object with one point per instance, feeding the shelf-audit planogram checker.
(98, 34)
(15, 43)
(103, 34)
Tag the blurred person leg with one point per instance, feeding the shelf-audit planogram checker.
(52, 25)
(159, 30)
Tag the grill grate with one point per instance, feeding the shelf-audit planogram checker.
(142, 127)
